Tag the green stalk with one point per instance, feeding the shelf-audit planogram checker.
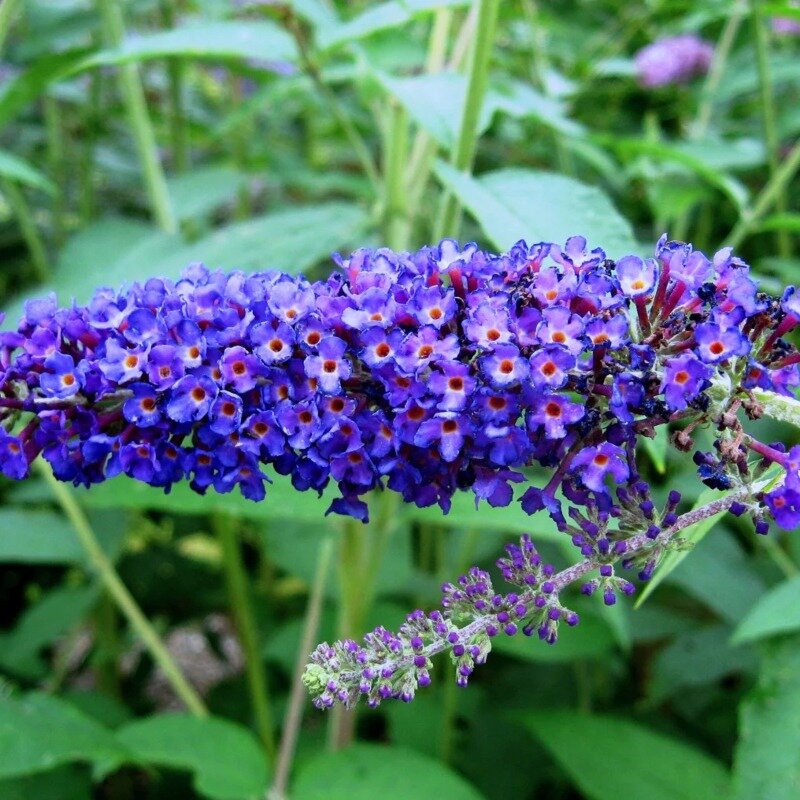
(56, 164)
(294, 713)
(239, 145)
(768, 196)
(139, 119)
(463, 153)
(90, 120)
(107, 646)
(771, 139)
(27, 225)
(396, 218)
(113, 584)
(8, 8)
(242, 612)
(175, 76)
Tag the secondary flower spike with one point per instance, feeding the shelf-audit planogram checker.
(425, 373)
(673, 59)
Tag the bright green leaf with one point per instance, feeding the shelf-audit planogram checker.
(226, 760)
(511, 204)
(38, 732)
(614, 759)
(778, 611)
(778, 406)
(369, 772)
(767, 760)
(20, 171)
(216, 40)
(202, 190)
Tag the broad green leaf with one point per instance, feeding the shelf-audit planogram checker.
(781, 10)
(216, 40)
(20, 171)
(766, 764)
(590, 639)
(61, 783)
(225, 759)
(379, 17)
(696, 658)
(511, 204)
(609, 758)
(741, 79)
(202, 190)
(657, 448)
(37, 537)
(114, 252)
(38, 732)
(693, 534)
(435, 103)
(778, 406)
(778, 611)
(369, 771)
(54, 615)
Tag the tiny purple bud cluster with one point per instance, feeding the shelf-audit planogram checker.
(673, 59)
(448, 368)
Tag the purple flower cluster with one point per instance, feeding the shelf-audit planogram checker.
(448, 368)
(673, 59)
(786, 26)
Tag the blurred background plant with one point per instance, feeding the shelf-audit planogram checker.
(137, 137)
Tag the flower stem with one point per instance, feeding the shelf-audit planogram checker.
(242, 612)
(771, 139)
(175, 75)
(141, 126)
(294, 713)
(120, 594)
(56, 164)
(396, 219)
(464, 151)
(8, 9)
(27, 225)
(768, 196)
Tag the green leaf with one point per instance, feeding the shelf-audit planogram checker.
(766, 763)
(377, 18)
(780, 222)
(614, 759)
(369, 772)
(778, 611)
(54, 615)
(511, 204)
(778, 406)
(696, 658)
(16, 169)
(38, 732)
(693, 534)
(37, 537)
(657, 449)
(206, 40)
(113, 252)
(200, 191)
(62, 783)
(225, 759)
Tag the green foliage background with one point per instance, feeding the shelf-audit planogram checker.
(137, 137)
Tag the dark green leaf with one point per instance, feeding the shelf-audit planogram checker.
(512, 204)
(20, 171)
(368, 772)
(226, 760)
(62, 783)
(615, 759)
(767, 760)
(30, 537)
(778, 611)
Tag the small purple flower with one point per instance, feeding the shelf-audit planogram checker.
(784, 504)
(13, 463)
(380, 346)
(225, 415)
(684, 378)
(164, 365)
(613, 332)
(454, 385)
(598, 462)
(240, 368)
(505, 366)
(554, 413)
(715, 344)
(331, 366)
(275, 344)
(674, 59)
(637, 278)
(448, 430)
(63, 379)
(142, 409)
(121, 364)
(560, 326)
(432, 306)
(550, 367)
(488, 326)
(191, 398)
